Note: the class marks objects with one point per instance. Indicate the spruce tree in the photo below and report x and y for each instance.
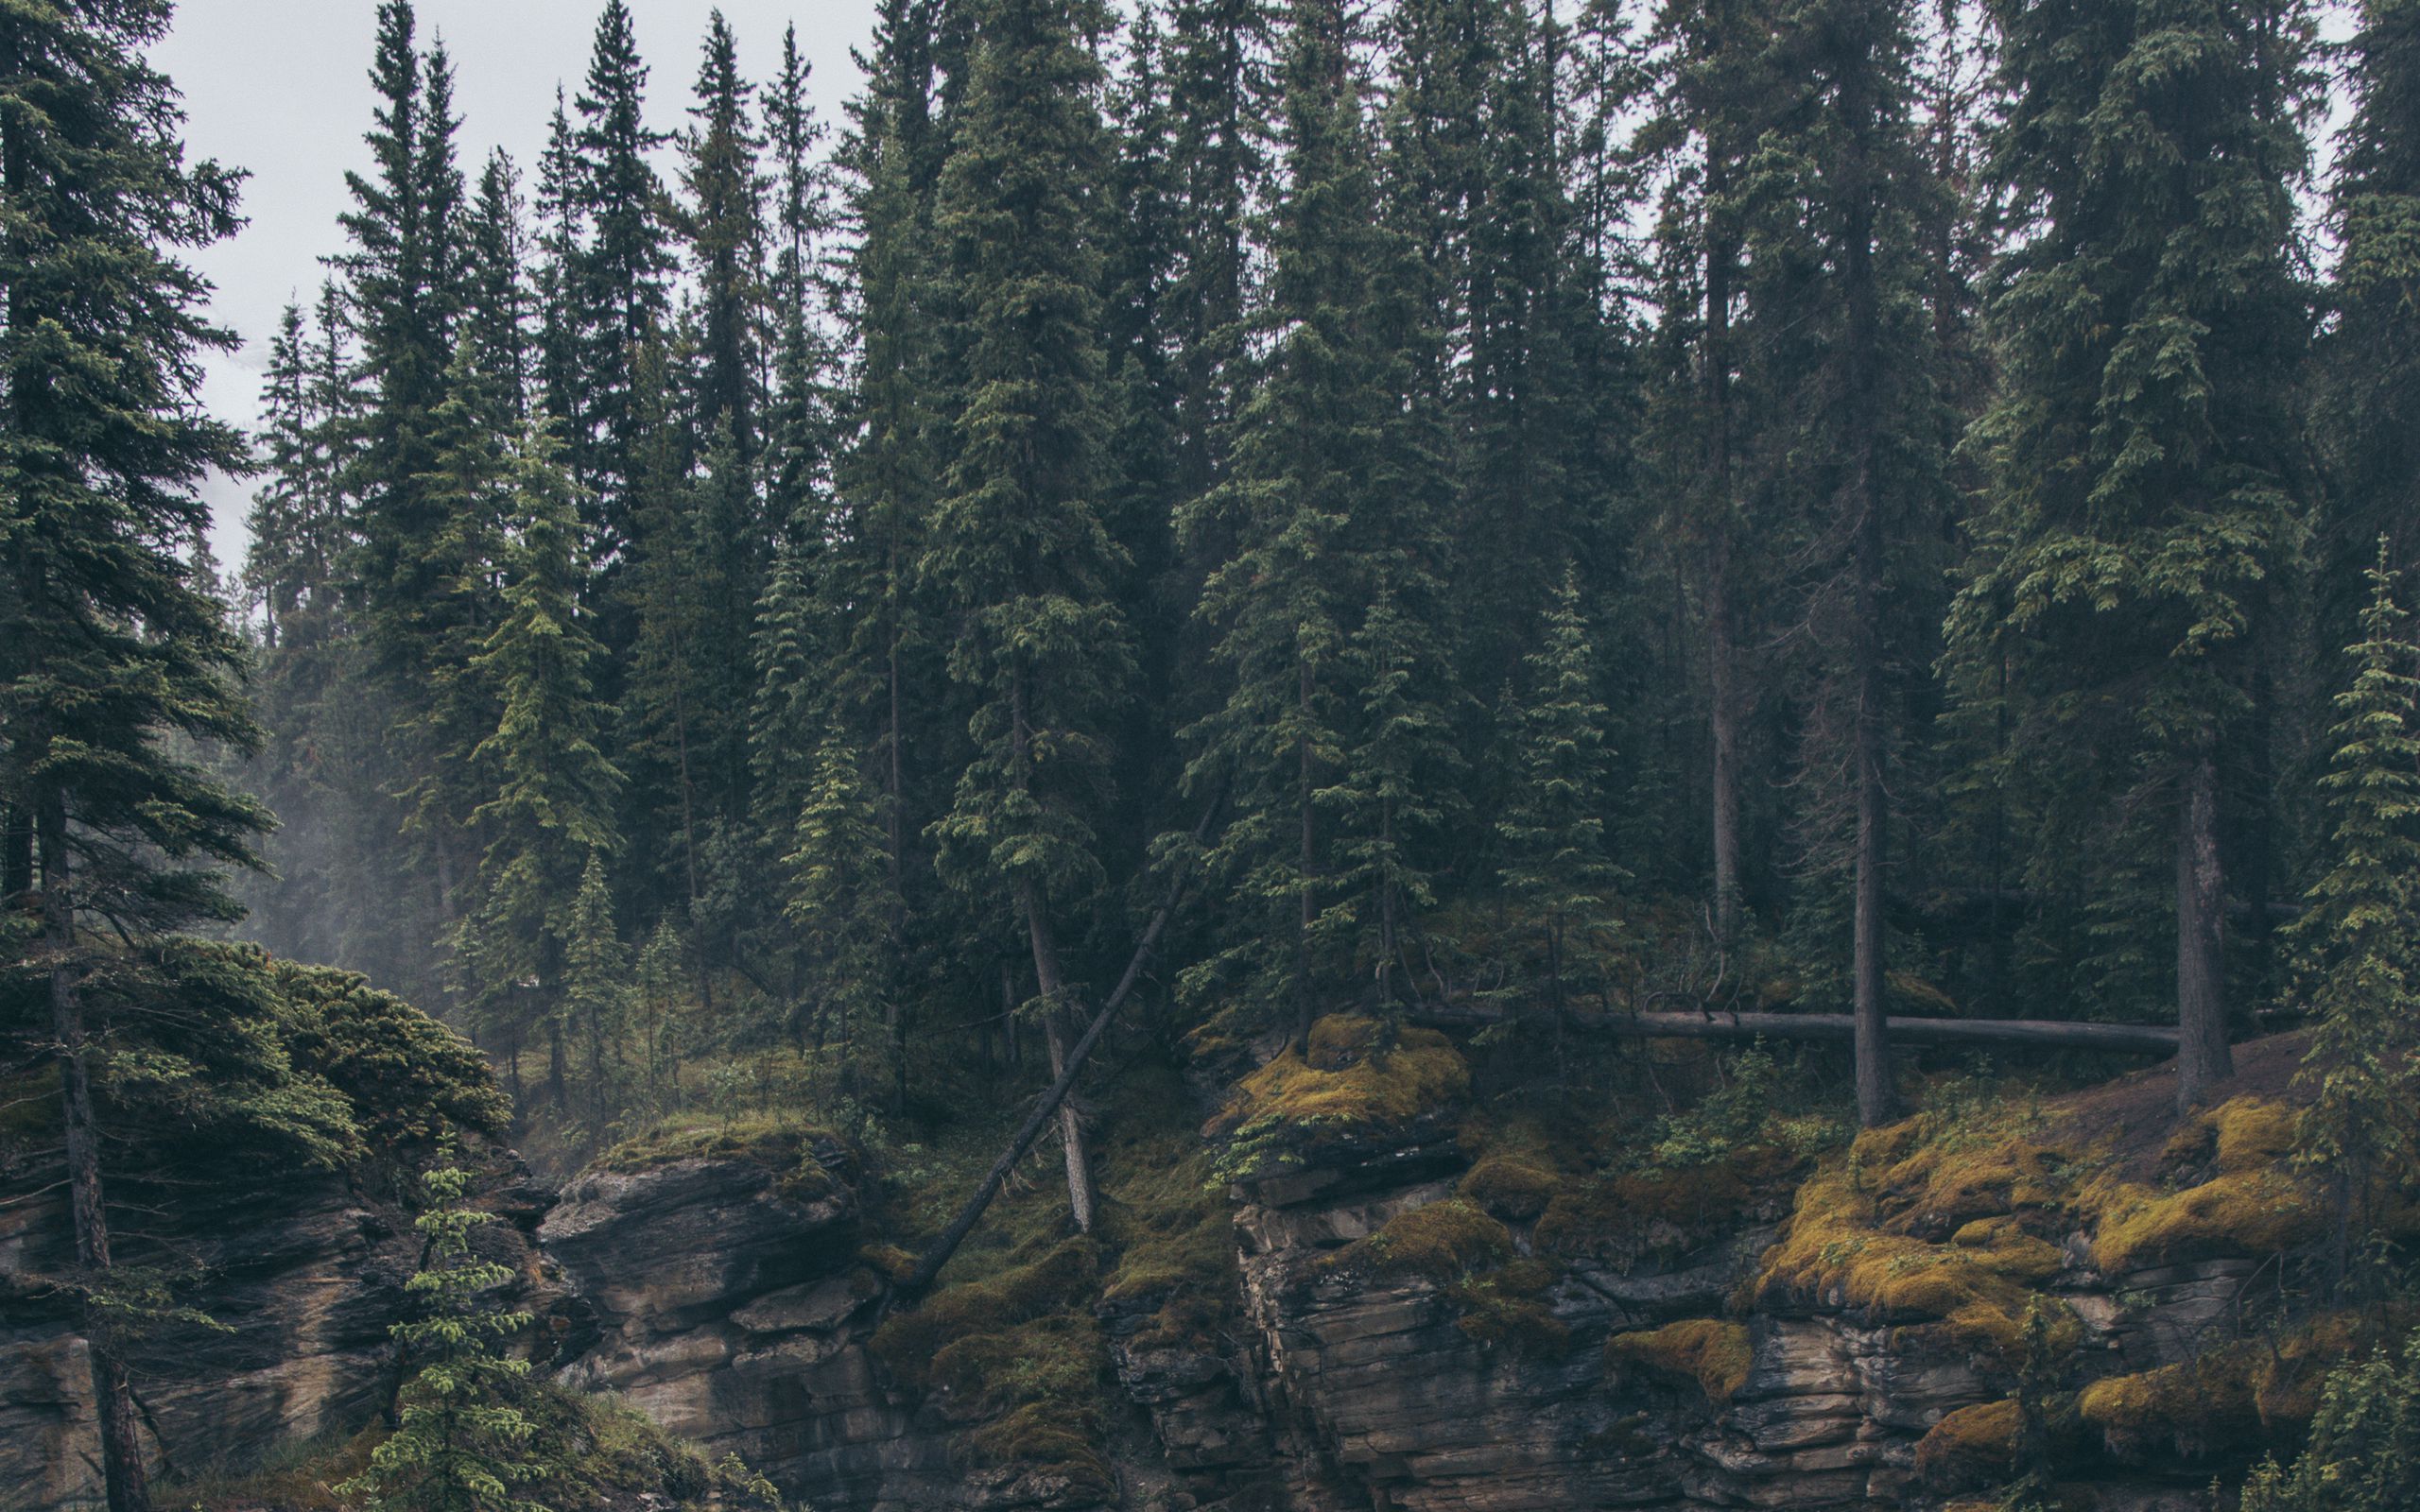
(2140, 509)
(553, 802)
(615, 285)
(723, 223)
(1553, 828)
(838, 899)
(111, 658)
(1322, 506)
(1019, 544)
(2366, 411)
(597, 986)
(460, 1444)
(2360, 975)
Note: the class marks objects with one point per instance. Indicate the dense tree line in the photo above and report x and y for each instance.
(1828, 500)
(1823, 504)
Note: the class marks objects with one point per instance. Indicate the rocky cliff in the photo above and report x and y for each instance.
(1383, 1300)
(1414, 1322)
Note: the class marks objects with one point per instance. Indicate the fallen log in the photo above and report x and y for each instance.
(2052, 1034)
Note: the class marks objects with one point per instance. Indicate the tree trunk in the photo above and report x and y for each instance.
(122, 1468)
(1054, 1031)
(1721, 257)
(555, 1067)
(928, 1265)
(2201, 1055)
(1303, 905)
(1876, 1099)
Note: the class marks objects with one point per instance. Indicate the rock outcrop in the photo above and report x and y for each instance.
(301, 1274)
(1412, 1326)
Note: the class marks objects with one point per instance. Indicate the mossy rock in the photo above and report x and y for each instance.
(1354, 1081)
(1834, 1252)
(1714, 1352)
(1514, 1185)
(908, 1342)
(1970, 1448)
(786, 1146)
(2255, 1205)
(1507, 1309)
(2224, 1405)
(1443, 1242)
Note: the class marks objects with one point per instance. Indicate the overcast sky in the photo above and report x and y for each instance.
(281, 87)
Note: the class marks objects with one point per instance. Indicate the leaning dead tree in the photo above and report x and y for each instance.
(936, 1254)
(2048, 1034)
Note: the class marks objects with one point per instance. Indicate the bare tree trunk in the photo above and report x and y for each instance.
(1721, 648)
(1054, 1030)
(2202, 1055)
(1048, 980)
(1875, 1097)
(1305, 908)
(122, 1468)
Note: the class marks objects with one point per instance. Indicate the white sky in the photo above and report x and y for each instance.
(281, 87)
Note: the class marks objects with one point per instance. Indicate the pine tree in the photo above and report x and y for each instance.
(2365, 410)
(1019, 543)
(1392, 794)
(2361, 978)
(839, 902)
(802, 431)
(1707, 90)
(460, 1444)
(596, 986)
(553, 803)
(1221, 97)
(723, 223)
(1553, 828)
(2139, 509)
(1844, 360)
(109, 657)
(1322, 506)
(617, 285)
(497, 300)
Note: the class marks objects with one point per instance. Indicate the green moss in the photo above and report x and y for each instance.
(910, 1342)
(601, 1453)
(2223, 1403)
(2255, 1205)
(1514, 1184)
(778, 1142)
(1714, 1352)
(1352, 1082)
(1173, 1241)
(1971, 1448)
(1506, 1309)
(1443, 1242)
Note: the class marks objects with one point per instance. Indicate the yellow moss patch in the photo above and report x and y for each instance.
(781, 1145)
(1513, 1185)
(2257, 1211)
(1972, 1447)
(1443, 1242)
(1714, 1352)
(2224, 1402)
(1350, 1080)
(1834, 1251)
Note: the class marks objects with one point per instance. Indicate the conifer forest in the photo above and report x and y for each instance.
(1227, 754)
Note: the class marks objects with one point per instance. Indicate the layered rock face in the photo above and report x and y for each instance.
(724, 1293)
(301, 1272)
